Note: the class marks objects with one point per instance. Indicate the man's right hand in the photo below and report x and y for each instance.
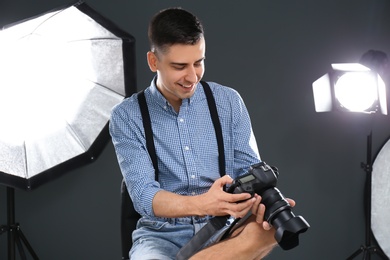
(217, 202)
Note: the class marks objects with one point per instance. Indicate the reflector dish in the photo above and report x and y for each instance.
(380, 198)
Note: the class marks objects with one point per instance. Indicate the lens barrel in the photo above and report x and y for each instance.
(262, 179)
(278, 213)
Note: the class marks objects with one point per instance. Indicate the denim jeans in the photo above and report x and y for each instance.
(155, 239)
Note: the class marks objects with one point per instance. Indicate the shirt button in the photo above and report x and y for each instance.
(186, 148)
(181, 120)
(193, 193)
(193, 176)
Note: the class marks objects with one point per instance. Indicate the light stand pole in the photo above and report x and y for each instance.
(15, 234)
(368, 248)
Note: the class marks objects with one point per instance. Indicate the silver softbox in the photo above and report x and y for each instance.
(61, 74)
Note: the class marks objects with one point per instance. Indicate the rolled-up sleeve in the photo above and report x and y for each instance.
(245, 145)
(134, 161)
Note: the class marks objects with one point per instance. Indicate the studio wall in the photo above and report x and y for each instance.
(271, 52)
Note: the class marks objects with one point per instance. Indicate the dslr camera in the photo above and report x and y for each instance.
(262, 179)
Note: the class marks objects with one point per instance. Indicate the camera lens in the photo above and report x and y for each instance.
(278, 213)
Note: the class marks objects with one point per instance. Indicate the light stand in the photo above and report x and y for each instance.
(367, 249)
(352, 87)
(15, 234)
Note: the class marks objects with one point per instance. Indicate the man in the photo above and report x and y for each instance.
(189, 190)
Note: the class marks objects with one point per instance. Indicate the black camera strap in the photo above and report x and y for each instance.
(202, 238)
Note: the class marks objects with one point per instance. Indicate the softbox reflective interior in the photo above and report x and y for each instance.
(62, 72)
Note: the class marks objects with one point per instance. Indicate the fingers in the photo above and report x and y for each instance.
(237, 205)
(218, 202)
(229, 197)
(266, 225)
(240, 209)
(291, 202)
(226, 179)
(258, 209)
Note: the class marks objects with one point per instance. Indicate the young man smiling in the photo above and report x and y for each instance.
(179, 69)
(189, 190)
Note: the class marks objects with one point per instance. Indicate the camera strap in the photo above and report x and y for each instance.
(217, 229)
(204, 237)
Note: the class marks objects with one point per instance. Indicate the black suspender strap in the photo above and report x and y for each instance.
(217, 126)
(214, 117)
(148, 131)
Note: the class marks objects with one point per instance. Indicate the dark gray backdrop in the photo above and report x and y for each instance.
(271, 52)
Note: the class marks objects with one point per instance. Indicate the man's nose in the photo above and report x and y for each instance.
(191, 75)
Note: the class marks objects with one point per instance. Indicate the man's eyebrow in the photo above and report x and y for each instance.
(184, 64)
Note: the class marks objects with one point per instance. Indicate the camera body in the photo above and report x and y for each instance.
(262, 179)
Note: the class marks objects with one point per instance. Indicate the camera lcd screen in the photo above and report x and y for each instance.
(247, 178)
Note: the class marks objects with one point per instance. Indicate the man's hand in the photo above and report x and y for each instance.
(258, 210)
(217, 202)
(253, 240)
(258, 234)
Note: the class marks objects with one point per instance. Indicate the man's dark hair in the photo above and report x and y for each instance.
(173, 26)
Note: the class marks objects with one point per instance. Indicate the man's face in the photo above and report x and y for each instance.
(178, 70)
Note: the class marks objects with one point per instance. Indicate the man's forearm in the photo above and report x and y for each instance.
(170, 205)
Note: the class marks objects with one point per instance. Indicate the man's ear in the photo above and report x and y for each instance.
(152, 61)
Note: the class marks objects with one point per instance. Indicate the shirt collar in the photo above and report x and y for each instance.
(161, 100)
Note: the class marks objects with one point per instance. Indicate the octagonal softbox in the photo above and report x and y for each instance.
(62, 72)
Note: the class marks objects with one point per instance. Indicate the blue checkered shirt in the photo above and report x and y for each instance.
(186, 144)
